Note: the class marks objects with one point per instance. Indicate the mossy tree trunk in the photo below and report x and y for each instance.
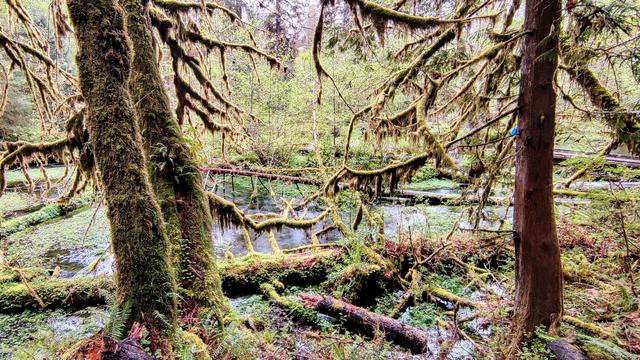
(538, 269)
(174, 174)
(143, 270)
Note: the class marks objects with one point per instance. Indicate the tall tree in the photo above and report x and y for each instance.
(538, 267)
(175, 176)
(141, 247)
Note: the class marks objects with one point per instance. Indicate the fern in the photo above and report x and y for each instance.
(118, 319)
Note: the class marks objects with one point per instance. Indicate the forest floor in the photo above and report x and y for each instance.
(456, 288)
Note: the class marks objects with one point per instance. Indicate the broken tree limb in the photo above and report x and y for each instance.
(369, 322)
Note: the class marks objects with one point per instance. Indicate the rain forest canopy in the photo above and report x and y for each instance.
(322, 179)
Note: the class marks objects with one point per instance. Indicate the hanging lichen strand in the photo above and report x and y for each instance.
(140, 245)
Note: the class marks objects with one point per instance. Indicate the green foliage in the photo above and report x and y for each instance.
(535, 347)
(422, 316)
(44, 334)
(119, 317)
(18, 122)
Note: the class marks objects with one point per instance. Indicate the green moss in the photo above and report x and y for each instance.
(174, 174)
(245, 275)
(84, 231)
(599, 349)
(189, 346)
(432, 184)
(422, 316)
(46, 334)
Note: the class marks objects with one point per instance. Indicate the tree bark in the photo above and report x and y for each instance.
(175, 176)
(143, 271)
(538, 268)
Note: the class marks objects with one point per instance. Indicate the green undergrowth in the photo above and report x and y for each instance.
(39, 245)
(45, 334)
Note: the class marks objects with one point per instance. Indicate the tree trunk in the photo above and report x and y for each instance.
(538, 268)
(174, 174)
(143, 270)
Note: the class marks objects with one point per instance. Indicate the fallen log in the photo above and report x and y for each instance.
(239, 277)
(360, 319)
(296, 309)
(437, 198)
(620, 160)
(54, 293)
(45, 213)
(563, 350)
(245, 275)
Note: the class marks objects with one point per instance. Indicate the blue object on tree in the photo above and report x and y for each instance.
(515, 131)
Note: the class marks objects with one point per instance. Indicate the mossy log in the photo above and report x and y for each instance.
(360, 319)
(240, 276)
(245, 275)
(45, 213)
(55, 293)
(296, 309)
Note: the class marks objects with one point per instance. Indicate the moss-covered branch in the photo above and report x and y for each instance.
(625, 124)
(185, 6)
(228, 214)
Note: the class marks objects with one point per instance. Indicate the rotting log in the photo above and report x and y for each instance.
(360, 319)
(563, 350)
